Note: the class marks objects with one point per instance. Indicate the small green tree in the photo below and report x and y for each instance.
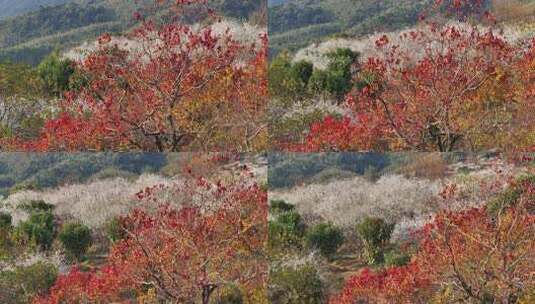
(37, 230)
(375, 234)
(395, 257)
(337, 79)
(229, 295)
(325, 237)
(301, 71)
(317, 83)
(55, 73)
(76, 239)
(510, 197)
(286, 230)
(288, 81)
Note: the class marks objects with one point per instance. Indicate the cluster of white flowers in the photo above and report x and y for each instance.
(366, 46)
(242, 32)
(92, 204)
(409, 202)
(344, 202)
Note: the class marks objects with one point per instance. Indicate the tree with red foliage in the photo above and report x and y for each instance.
(440, 87)
(461, 92)
(172, 87)
(202, 237)
(470, 256)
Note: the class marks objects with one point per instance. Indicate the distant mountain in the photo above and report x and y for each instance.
(17, 7)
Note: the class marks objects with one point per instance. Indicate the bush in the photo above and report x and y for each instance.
(326, 237)
(396, 258)
(296, 285)
(76, 239)
(23, 283)
(286, 231)
(37, 230)
(375, 234)
(36, 206)
(115, 230)
(5, 221)
(279, 206)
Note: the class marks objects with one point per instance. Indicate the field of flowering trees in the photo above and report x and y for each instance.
(460, 78)
(168, 234)
(426, 228)
(267, 151)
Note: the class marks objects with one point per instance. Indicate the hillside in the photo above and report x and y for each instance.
(17, 7)
(31, 36)
(320, 229)
(314, 20)
(294, 24)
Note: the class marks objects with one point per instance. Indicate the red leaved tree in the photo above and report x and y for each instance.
(193, 238)
(440, 87)
(480, 255)
(166, 86)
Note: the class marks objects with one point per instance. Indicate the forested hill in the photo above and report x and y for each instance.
(312, 20)
(31, 36)
(294, 24)
(17, 7)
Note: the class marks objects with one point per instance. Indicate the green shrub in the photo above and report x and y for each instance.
(76, 239)
(464, 170)
(286, 231)
(36, 206)
(23, 283)
(23, 186)
(396, 258)
(325, 237)
(37, 230)
(296, 285)
(279, 206)
(5, 221)
(114, 230)
(375, 234)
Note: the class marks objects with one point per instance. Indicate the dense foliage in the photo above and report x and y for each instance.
(176, 89)
(174, 252)
(469, 254)
(441, 86)
(76, 238)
